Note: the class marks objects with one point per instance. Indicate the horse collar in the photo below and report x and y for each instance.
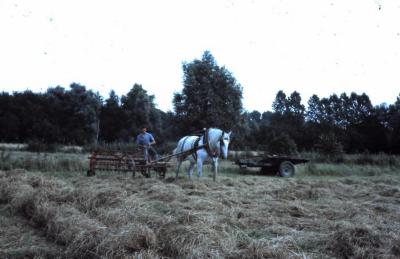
(206, 143)
(221, 143)
(210, 152)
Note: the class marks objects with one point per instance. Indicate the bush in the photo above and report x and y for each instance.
(281, 144)
(165, 148)
(330, 146)
(5, 158)
(38, 146)
(374, 159)
(120, 146)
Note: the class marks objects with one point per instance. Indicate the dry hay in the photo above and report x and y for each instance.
(18, 239)
(251, 217)
(356, 242)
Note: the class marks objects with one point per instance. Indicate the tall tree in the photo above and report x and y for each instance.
(210, 96)
(112, 119)
(86, 110)
(140, 110)
(288, 116)
(9, 121)
(294, 105)
(280, 103)
(76, 114)
(315, 111)
(394, 126)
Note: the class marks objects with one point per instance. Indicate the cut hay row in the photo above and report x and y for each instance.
(253, 217)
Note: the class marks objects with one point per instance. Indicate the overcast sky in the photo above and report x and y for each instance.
(310, 46)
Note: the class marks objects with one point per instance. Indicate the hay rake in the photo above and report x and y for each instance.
(112, 160)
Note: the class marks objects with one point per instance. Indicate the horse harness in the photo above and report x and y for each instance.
(215, 153)
(194, 147)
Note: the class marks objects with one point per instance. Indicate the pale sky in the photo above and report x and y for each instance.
(310, 46)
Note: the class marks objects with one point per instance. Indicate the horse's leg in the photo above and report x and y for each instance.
(191, 170)
(199, 167)
(177, 169)
(215, 167)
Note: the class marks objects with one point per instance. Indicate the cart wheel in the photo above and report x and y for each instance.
(131, 166)
(90, 173)
(286, 169)
(161, 172)
(146, 172)
(242, 169)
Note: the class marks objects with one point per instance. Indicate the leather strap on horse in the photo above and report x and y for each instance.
(208, 149)
(205, 142)
(194, 147)
(221, 142)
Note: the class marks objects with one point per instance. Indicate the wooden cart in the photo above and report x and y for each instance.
(284, 166)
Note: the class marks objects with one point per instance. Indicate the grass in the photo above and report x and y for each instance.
(355, 159)
(69, 164)
(12, 146)
(344, 170)
(44, 162)
(50, 209)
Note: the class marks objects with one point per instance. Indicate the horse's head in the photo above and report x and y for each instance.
(225, 139)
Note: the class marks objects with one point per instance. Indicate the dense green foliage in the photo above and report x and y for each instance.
(57, 116)
(211, 97)
(332, 125)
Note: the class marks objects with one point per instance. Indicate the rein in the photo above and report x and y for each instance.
(206, 145)
(194, 146)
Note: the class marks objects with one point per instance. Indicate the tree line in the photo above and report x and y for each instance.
(211, 96)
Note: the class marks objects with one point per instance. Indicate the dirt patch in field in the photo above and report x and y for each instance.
(254, 217)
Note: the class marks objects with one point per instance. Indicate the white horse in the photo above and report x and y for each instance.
(214, 143)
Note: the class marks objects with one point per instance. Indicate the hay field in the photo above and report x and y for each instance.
(115, 216)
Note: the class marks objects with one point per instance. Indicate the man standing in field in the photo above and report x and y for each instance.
(145, 140)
